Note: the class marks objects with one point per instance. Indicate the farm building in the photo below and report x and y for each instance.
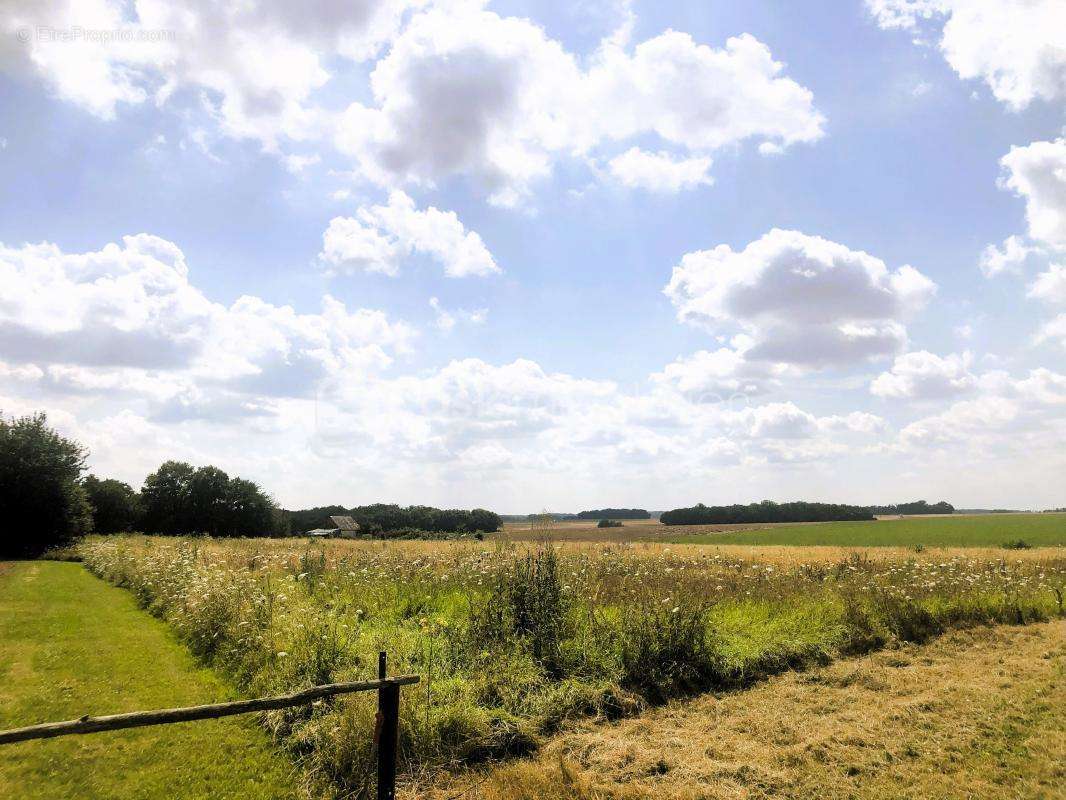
(347, 528)
(344, 527)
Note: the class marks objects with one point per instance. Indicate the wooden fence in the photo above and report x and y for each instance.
(386, 732)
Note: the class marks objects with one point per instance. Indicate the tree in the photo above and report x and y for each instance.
(211, 500)
(167, 502)
(251, 511)
(484, 520)
(44, 504)
(115, 505)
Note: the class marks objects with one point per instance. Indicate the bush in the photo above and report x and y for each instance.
(666, 652)
(1017, 544)
(44, 504)
(608, 523)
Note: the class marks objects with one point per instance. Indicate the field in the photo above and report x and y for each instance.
(964, 530)
(979, 530)
(520, 644)
(69, 645)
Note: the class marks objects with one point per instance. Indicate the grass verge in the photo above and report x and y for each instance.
(70, 645)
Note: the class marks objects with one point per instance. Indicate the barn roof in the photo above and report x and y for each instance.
(345, 523)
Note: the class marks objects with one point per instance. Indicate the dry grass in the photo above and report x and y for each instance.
(977, 714)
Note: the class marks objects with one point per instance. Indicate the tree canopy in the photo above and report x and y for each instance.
(116, 507)
(179, 499)
(43, 501)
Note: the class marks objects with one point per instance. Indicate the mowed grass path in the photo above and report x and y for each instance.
(70, 644)
(989, 530)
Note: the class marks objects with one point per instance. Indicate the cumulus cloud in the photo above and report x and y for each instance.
(1054, 330)
(127, 318)
(459, 91)
(1009, 415)
(803, 300)
(923, 375)
(722, 374)
(964, 420)
(1037, 172)
(495, 99)
(1008, 258)
(660, 172)
(255, 63)
(379, 238)
(1018, 47)
(1050, 286)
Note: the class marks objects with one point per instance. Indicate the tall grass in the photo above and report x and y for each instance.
(511, 642)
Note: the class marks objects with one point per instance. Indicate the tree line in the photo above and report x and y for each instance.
(381, 518)
(915, 507)
(48, 501)
(766, 511)
(614, 513)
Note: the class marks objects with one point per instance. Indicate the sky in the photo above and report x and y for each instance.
(543, 255)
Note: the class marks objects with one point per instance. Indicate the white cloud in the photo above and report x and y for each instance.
(1054, 330)
(1008, 258)
(255, 63)
(854, 422)
(723, 374)
(1018, 418)
(1050, 286)
(296, 164)
(779, 421)
(1018, 47)
(379, 238)
(1037, 172)
(495, 99)
(923, 375)
(965, 420)
(126, 318)
(804, 300)
(660, 172)
(447, 320)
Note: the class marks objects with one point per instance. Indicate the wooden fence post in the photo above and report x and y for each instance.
(388, 732)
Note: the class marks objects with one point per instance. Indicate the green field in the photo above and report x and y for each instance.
(990, 530)
(69, 645)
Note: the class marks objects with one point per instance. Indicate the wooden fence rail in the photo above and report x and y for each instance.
(385, 734)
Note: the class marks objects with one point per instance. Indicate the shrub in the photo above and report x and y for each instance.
(666, 651)
(609, 523)
(1017, 544)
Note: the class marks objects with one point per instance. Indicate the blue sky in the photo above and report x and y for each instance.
(513, 209)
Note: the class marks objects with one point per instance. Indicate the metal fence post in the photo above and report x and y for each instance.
(388, 732)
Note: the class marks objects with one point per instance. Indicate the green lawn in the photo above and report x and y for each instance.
(70, 644)
(989, 530)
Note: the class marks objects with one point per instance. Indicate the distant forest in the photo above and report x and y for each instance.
(915, 507)
(614, 513)
(769, 511)
(766, 511)
(387, 518)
